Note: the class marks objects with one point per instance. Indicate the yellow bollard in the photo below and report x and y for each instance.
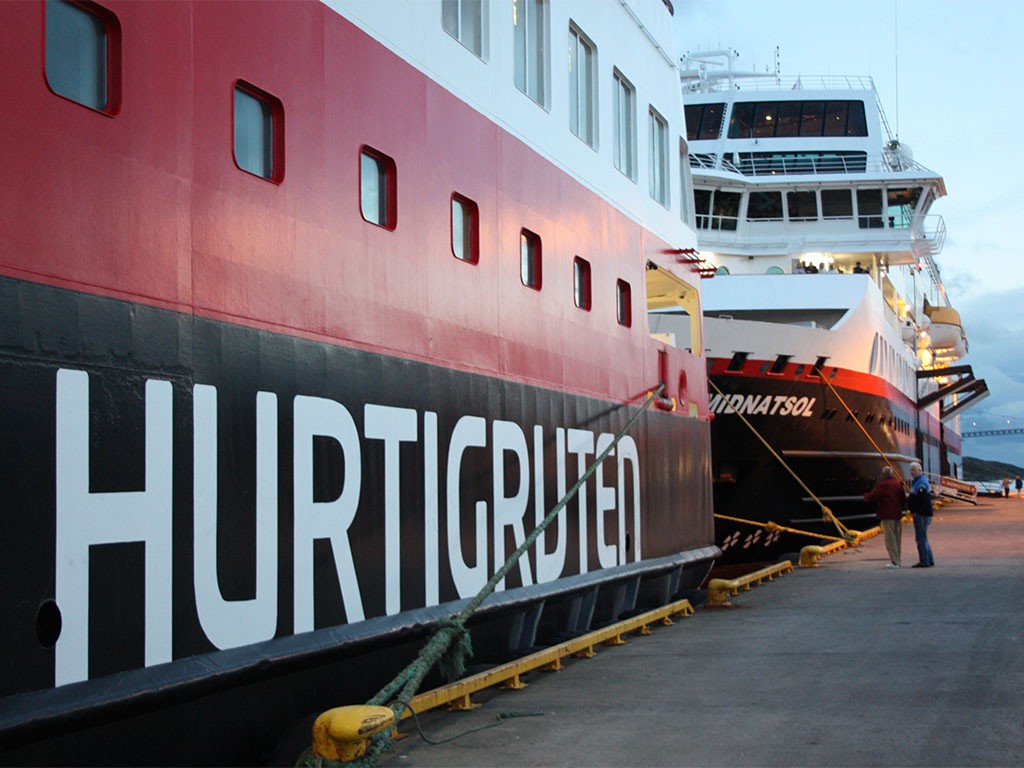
(344, 733)
(809, 556)
(719, 591)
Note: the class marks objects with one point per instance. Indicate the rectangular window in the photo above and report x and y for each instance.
(378, 188)
(258, 117)
(803, 206)
(624, 303)
(789, 119)
(762, 206)
(624, 126)
(582, 87)
(581, 283)
(702, 207)
(813, 116)
(658, 166)
(836, 204)
(529, 259)
(765, 119)
(869, 208)
(835, 117)
(742, 120)
(703, 121)
(83, 55)
(464, 20)
(529, 28)
(856, 123)
(465, 229)
(726, 210)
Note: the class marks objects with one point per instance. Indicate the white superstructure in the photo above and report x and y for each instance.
(801, 175)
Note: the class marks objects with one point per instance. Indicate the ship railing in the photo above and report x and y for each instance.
(931, 231)
(808, 165)
(717, 230)
(722, 81)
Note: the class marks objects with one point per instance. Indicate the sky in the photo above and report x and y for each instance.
(944, 71)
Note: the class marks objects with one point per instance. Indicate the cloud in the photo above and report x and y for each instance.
(995, 331)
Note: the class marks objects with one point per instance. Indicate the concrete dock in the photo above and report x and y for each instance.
(847, 664)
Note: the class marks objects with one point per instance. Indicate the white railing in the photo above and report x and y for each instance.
(720, 80)
(923, 235)
(877, 165)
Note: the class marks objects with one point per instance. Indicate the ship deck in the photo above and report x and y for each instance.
(845, 664)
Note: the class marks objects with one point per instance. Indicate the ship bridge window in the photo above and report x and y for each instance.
(742, 120)
(529, 40)
(624, 125)
(764, 206)
(623, 303)
(902, 204)
(658, 156)
(774, 119)
(835, 118)
(764, 119)
(836, 204)
(378, 196)
(464, 20)
(812, 118)
(259, 132)
(789, 119)
(582, 86)
(703, 121)
(803, 206)
(581, 283)
(529, 259)
(465, 229)
(869, 208)
(83, 55)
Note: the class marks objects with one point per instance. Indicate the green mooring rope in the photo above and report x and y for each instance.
(450, 644)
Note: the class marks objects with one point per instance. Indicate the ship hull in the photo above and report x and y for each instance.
(201, 514)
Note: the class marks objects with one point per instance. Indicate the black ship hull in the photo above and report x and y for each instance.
(808, 429)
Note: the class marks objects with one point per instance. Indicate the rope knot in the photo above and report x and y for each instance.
(452, 663)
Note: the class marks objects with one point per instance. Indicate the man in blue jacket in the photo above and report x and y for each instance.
(920, 504)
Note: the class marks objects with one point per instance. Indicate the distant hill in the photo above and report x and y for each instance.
(982, 469)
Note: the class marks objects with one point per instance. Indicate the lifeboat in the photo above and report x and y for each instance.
(948, 342)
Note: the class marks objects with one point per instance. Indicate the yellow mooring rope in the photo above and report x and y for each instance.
(863, 429)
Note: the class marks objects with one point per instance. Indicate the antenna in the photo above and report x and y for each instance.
(896, 60)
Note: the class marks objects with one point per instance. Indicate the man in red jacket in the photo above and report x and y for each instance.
(889, 501)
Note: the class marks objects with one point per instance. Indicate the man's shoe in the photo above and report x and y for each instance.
(892, 565)
(919, 565)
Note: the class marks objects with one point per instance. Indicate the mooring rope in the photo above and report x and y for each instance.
(450, 644)
(772, 526)
(863, 429)
(825, 511)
